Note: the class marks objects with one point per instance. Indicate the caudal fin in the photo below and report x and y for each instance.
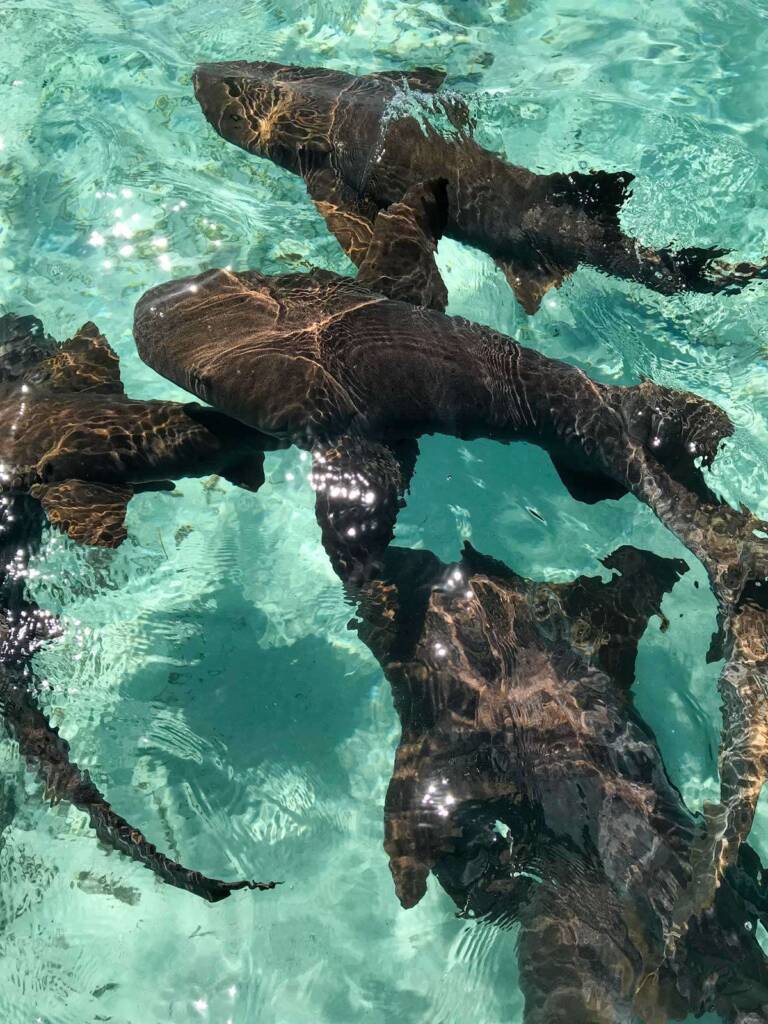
(601, 195)
(703, 270)
(47, 753)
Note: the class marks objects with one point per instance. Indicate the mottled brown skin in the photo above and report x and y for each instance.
(307, 358)
(73, 440)
(359, 150)
(24, 628)
(311, 358)
(525, 779)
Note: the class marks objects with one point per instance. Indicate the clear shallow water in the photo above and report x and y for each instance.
(207, 678)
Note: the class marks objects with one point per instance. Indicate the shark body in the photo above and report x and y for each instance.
(359, 146)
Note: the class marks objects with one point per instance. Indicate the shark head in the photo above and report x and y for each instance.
(283, 113)
(24, 347)
(231, 339)
(187, 329)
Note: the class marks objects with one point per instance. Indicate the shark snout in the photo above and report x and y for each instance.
(178, 324)
(163, 320)
(236, 97)
(228, 108)
(213, 92)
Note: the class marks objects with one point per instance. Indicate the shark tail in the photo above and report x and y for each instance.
(700, 270)
(47, 753)
(599, 197)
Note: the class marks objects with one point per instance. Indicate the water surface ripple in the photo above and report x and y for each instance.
(207, 678)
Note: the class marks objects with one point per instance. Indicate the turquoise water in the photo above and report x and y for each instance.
(206, 677)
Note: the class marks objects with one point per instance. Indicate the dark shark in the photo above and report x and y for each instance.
(24, 628)
(359, 152)
(527, 783)
(310, 359)
(73, 440)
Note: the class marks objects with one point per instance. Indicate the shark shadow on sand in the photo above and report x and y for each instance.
(528, 784)
(313, 359)
(24, 627)
(359, 151)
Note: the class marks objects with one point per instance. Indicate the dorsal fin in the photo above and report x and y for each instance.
(599, 193)
(400, 262)
(23, 345)
(418, 79)
(89, 512)
(86, 362)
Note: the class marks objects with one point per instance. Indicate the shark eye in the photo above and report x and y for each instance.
(236, 118)
(199, 384)
(36, 376)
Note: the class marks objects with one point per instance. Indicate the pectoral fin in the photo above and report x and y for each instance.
(588, 487)
(360, 487)
(347, 215)
(530, 283)
(86, 362)
(88, 512)
(416, 832)
(400, 262)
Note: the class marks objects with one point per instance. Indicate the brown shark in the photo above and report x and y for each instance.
(24, 628)
(359, 151)
(74, 441)
(309, 359)
(526, 781)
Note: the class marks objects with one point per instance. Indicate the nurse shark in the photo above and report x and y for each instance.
(310, 359)
(528, 784)
(76, 443)
(24, 628)
(359, 148)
